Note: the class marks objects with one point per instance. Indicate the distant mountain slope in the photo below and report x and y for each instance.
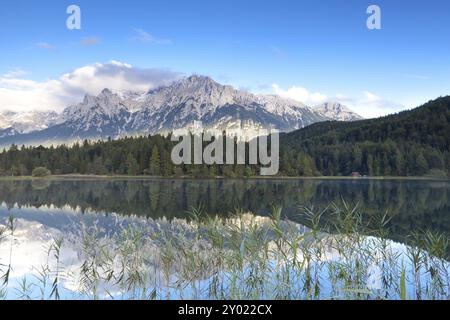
(217, 106)
(337, 111)
(407, 143)
(12, 123)
(196, 98)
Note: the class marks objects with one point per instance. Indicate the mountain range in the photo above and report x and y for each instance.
(12, 123)
(410, 143)
(161, 110)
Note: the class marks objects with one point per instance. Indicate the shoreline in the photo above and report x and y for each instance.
(126, 177)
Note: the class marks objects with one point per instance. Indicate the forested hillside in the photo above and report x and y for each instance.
(411, 143)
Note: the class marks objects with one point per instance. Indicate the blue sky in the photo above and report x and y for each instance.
(313, 50)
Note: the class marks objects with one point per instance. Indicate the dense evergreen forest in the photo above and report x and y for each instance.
(411, 143)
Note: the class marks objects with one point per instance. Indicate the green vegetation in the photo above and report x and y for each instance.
(41, 172)
(241, 257)
(411, 143)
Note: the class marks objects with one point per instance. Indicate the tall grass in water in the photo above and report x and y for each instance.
(6, 268)
(334, 256)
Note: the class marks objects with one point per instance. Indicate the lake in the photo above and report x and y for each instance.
(83, 212)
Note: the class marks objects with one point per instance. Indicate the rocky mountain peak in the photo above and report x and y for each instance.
(337, 111)
(106, 92)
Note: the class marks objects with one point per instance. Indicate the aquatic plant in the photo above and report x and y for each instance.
(334, 255)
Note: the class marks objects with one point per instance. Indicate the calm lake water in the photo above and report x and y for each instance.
(413, 205)
(45, 210)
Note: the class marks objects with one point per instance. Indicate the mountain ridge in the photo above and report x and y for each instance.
(410, 143)
(337, 111)
(166, 108)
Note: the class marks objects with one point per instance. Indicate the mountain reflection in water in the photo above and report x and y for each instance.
(102, 212)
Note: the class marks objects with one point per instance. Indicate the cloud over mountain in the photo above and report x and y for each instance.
(20, 94)
(300, 94)
(369, 104)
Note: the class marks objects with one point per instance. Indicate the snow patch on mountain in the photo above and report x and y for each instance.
(12, 123)
(337, 111)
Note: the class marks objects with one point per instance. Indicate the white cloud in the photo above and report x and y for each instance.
(143, 36)
(371, 98)
(370, 105)
(15, 73)
(375, 106)
(342, 97)
(417, 76)
(300, 94)
(20, 94)
(367, 104)
(46, 46)
(90, 41)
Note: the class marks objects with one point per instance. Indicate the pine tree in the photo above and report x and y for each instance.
(155, 162)
(421, 164)
(399, 163)
(370, 165)
(132, 165)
